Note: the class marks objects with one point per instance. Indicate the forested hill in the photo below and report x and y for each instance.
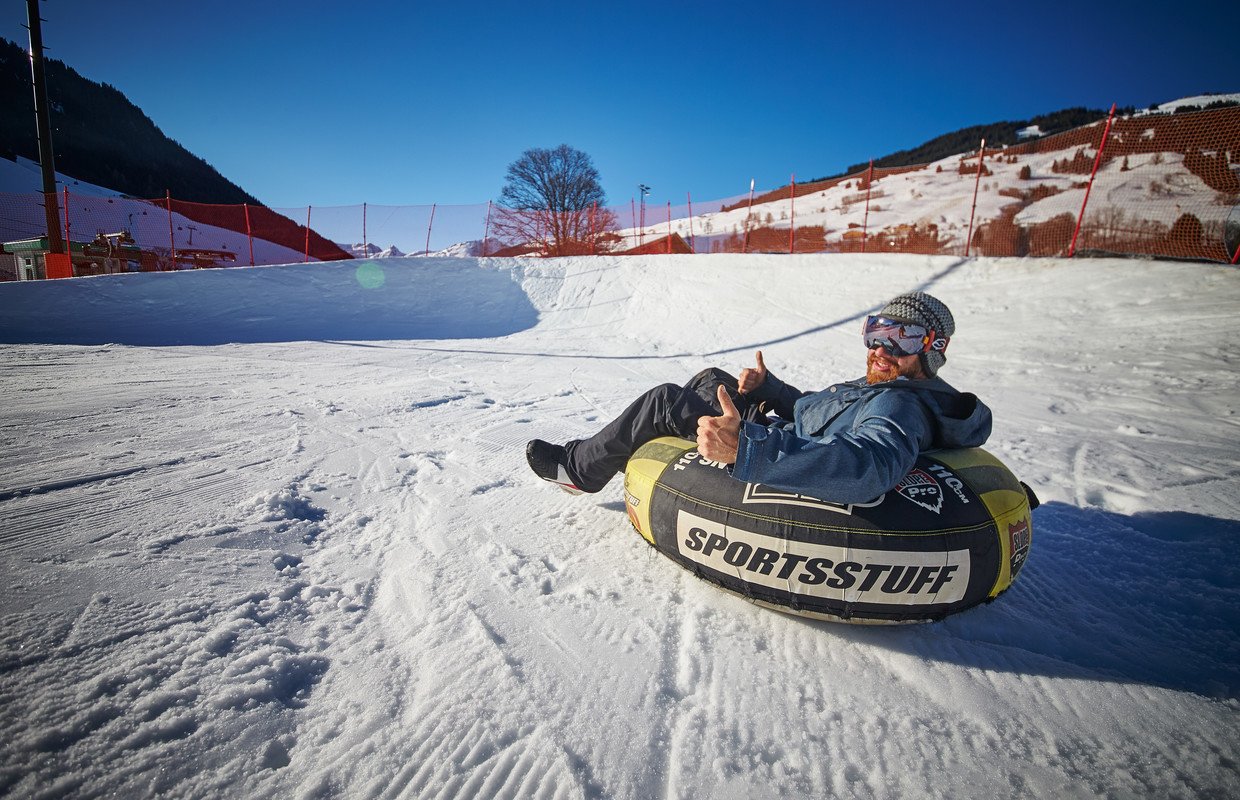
(995, 134)
(100, 137)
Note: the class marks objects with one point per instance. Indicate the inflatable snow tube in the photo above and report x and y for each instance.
(952, 534)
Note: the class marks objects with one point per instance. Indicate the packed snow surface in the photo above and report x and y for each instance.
(269, 533)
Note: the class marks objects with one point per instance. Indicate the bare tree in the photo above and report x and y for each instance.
(552, 200)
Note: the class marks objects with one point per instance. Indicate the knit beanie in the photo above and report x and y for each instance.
(920, 308)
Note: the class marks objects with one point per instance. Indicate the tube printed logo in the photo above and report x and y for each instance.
(921, 487)
(850, 575)
(1019, 541)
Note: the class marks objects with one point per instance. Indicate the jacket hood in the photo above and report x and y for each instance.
(961, 419)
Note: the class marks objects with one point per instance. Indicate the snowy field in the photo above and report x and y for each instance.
(269, 533)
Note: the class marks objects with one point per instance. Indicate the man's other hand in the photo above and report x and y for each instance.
(751, 378)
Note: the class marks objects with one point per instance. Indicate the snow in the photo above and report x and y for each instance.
(269, 532)
(1200, 101)
(21, 175)
(95, 210)
(1156, 188)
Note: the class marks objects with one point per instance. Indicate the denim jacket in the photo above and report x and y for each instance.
(851, 442)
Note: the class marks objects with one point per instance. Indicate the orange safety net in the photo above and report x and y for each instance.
(1165, 185)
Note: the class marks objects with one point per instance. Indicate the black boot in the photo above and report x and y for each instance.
(548, 462)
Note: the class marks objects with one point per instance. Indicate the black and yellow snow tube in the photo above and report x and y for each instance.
(952, 534)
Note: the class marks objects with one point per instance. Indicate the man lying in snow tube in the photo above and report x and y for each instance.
(953, 533)
(853, 443)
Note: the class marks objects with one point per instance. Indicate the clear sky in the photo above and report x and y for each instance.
(393, 102)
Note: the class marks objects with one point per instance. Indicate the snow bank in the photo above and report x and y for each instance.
(395, 299)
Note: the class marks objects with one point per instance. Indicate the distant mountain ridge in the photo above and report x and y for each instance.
(996, 134)
(99, 136)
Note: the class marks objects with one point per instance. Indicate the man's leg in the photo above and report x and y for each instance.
(666, 410)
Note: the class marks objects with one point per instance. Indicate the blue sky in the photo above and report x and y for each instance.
(335, 103)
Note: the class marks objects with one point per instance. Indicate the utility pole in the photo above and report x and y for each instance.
(644, 190)
(43, 123)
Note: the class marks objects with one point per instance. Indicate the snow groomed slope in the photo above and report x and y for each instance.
(304, 558)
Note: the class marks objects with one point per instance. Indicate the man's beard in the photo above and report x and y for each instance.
(876, 373)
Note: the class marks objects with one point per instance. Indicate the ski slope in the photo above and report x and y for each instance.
(269, 533)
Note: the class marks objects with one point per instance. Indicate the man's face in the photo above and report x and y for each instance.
(882, 366)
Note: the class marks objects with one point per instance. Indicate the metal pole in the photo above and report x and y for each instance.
(1097, 161)
(307, 235)
(981, 155)
(429, 225)
(43, 126)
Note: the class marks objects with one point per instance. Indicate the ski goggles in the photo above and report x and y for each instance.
(900, 338)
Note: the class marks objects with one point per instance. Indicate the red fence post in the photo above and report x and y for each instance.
(1097, 161)
(429, 225)
(641, 228)
(865, 222)
(307, 234)
(68, 245)
(981, 155)
(248, 233)
(593, 233)
(172, 242)
(669, 227)
(365, 243)
(792, 204)
(632, 215)
(748, 215)
(486, 229)
(692, 241)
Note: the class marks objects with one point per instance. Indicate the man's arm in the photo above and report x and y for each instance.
(852, 466)
(759, 385)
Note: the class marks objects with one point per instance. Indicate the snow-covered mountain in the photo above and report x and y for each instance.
(370, 250)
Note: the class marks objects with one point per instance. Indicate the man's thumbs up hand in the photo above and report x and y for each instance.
(751, 377)
(717, 437)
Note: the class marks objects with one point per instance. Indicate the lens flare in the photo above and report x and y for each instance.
(369, 275)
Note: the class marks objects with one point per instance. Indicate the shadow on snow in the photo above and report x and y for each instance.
(1151, 598)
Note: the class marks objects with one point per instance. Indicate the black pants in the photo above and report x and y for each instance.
(665, 410)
